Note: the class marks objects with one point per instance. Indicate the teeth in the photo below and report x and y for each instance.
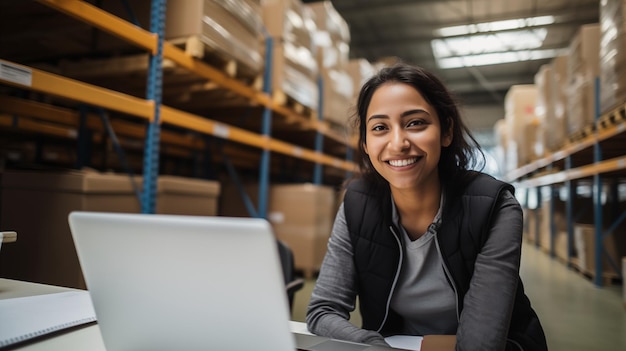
(402, 163)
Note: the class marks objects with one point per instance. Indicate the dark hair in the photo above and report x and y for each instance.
(464, 151)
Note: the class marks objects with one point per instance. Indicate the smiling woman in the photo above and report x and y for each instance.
(428, 245)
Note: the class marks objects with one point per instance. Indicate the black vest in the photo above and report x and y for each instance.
(466, 218)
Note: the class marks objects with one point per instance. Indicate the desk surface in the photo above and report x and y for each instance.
(89, 337)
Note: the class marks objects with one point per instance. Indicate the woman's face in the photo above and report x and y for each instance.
(403, 137)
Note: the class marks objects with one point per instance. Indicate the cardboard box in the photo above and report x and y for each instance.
(187, 196)
(584, 241)
(612, 54)
(521, 123)
(337, 98)
(36, 206)
(289, 21)
(302, 216)
(294, 72)
(233, 28)
(556, 122)
(360, 70)
(583, 67)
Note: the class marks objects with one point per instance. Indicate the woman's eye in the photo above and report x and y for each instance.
(378, 128)
(416, 122)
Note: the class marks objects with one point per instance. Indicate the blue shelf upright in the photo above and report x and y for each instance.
(154, 89)
(266, 130)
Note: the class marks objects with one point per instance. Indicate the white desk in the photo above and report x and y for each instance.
(80, 338)
(89, 338)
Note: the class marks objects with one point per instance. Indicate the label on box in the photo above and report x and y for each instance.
(16, 74)
(276, 217)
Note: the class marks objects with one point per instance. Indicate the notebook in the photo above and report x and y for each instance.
(171, 282)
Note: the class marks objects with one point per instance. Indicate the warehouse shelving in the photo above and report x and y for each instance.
(600, 154)
(149, 109)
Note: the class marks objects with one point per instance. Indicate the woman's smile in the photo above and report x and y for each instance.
(403, 162)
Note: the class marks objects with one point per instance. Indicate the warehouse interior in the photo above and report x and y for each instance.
(243, 108)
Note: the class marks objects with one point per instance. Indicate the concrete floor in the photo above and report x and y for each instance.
(576, 315)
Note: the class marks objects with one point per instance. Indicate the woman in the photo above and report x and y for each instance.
(427, 245)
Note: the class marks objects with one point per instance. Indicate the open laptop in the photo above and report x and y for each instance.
(167, 282)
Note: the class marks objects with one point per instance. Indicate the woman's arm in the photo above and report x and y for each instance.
(335, 291)
(488, 304)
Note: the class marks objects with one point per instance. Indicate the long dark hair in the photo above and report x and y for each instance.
(464, 153)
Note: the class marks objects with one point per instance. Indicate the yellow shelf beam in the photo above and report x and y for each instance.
(103, 20)
(611, 165)
(53, 84)
(110, 23)
(82, 92)
(601, 134)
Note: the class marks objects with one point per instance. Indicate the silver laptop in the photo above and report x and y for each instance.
(166, 282)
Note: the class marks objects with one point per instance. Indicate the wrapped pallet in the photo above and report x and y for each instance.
(231, 28)
(360, 69)
(294, 68)
(332, 43)
(543, 110)
(521, 124)
(332, 37)
(499, 150)
(582, 72)
(612, 54)
(556, 117)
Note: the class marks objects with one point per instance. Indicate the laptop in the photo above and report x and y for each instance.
(167, 282)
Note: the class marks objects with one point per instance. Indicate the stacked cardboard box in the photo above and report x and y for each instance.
(36, 205)
(294, 68)
(302, 216)
(585, 243)
(582, 71)
(360, 70)
(501, 141)
(556, 116)
(233, 28)
(612, 54)
(187, 196)
(543, 110)
(332, 41)
(521, 124)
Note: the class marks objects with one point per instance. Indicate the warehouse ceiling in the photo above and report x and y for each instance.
(407, 28)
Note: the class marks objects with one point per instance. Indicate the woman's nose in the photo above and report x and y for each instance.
(399, 140)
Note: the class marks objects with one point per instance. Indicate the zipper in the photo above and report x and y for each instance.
(449, 276)
(395, 279)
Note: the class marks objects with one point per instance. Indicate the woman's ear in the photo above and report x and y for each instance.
(447, 135)
(365, 149)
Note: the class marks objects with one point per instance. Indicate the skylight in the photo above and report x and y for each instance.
(492, 43)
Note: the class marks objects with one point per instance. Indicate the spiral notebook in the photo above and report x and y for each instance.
(25, 318)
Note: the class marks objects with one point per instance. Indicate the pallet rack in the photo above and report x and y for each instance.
(599, 154)
(151, 110)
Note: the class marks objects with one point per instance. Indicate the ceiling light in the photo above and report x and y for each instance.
(487, 43)
(491, 43)
(495, 26)
(496, 58)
